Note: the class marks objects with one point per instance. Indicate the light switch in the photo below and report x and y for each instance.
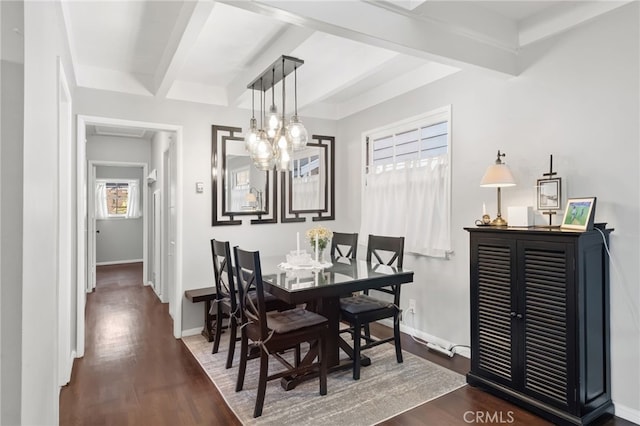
(199, 187)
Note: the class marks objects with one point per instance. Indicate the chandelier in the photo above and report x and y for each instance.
(272, 144)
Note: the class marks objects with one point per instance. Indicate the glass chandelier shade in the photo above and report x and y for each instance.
(273, 145)
(251, 138)
(263, 156)
(297, 133)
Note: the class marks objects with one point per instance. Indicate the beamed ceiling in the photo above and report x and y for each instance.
(356, 53)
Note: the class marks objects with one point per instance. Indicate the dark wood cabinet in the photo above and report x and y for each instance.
(540, 320)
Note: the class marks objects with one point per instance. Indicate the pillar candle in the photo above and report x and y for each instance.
(484, 209)
(317, 248)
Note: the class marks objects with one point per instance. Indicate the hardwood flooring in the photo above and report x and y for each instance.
(135, 372)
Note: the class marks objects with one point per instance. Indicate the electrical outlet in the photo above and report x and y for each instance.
(412, 306)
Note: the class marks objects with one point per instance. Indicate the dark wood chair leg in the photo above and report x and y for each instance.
(244, 349)
(367, 332)
(218, 331)
(396, 335)
(262, 383)
(233, 330)
(357, 338)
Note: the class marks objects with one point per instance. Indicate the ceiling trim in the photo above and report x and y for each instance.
(563, 17)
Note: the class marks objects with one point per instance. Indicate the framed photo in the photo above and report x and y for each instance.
(549, 194)
(579, 214)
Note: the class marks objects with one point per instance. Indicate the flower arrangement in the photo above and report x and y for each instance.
(322, 234)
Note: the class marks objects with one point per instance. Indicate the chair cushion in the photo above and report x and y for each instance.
(362, 303)
(293, 319)
(268, 297)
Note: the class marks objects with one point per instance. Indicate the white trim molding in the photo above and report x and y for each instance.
(624, 412)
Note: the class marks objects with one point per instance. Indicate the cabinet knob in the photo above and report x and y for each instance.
(519, 316)
(513, 314)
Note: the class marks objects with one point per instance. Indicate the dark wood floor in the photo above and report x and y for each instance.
(135, 372)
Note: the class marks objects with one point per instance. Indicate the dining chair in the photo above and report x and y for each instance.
(274, 332)
(226, 304)
(344, 245)
(362, 309)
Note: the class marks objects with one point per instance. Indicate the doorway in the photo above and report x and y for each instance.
(85, 250)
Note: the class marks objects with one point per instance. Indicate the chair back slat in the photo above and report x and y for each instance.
(249, 280)
(387, 246)
(343, 241)
(223, 271)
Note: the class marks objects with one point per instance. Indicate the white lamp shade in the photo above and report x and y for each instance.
(498, 176)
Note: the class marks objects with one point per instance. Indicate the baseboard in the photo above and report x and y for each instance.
(191, 332)
(631, 414)
(463, 351)
(118, 262)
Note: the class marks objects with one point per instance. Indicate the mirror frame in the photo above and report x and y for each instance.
(288, 214)
(219, 137)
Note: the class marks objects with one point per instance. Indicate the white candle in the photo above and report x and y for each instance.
(297, 243)
(317, 248)
(484, 209)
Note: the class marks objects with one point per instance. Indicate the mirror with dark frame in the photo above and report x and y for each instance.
(309, 187)
(239, 189)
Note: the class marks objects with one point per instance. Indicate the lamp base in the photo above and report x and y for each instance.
(498, 221)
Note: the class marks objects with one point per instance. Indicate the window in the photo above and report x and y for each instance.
(407, 183)
(117, 198)
(395, 150)
(241, 178)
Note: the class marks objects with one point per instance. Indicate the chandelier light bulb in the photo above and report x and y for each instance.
(251, 137)
(273, 120)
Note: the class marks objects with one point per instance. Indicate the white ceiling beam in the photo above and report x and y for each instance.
(561, 18)
(284, 44)
(401, 32)
(192, 18)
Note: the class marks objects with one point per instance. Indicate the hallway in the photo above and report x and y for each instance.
(134, 371)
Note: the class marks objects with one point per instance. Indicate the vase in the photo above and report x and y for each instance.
(320, 255)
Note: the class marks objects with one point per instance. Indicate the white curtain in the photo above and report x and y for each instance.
(101, 200)
(413, 202)
(133, 200)
(306, 193)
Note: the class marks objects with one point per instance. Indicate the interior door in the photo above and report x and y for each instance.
(157, 242)
(92, 230)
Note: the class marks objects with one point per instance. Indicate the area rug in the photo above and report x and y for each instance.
(385, 388)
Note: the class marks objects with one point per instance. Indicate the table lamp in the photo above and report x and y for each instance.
(498, 176)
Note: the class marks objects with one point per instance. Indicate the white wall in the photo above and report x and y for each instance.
(576, 98)
(11, 210)
(44, 42)
(196, 120)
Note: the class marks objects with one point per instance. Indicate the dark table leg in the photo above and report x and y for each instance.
(330, 309)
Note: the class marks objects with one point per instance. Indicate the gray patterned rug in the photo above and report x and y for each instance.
(385, 388)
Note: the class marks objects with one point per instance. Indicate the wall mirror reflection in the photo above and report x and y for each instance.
(308, 179)
(309, 187)
(239, 189)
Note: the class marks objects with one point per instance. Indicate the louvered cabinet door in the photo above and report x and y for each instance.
(493, 293)
(540, 320)
(545, 289)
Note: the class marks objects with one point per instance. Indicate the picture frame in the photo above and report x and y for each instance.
(549, 194)
(579, 214)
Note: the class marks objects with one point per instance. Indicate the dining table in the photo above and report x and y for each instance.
(321, 289)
